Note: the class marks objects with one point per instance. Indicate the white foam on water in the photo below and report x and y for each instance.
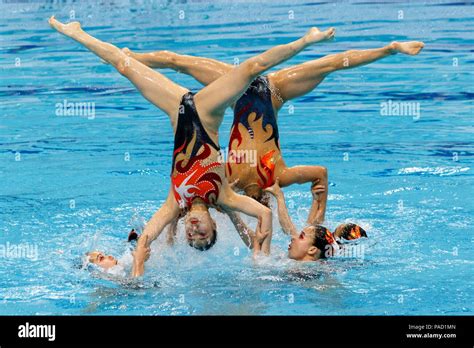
(440, 171)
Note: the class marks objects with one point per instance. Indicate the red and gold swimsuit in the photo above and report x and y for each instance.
(196, 171)
(254, 110)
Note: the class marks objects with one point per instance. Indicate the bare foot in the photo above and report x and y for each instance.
(411, 48)
(67, 29)
(315, 35)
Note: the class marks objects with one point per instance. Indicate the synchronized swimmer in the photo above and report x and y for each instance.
(199, 180)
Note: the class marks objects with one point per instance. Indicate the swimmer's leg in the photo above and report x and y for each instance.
(301, 79)
(213, 99)
(155, 87)
(317, 176)
(204, 70)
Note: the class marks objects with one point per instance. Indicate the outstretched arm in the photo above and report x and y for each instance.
(244, 231)
(212, 100)
(252, 239)
(172, 229)
(232, 201)
(166, 214)
(283, 216)
(318, 177)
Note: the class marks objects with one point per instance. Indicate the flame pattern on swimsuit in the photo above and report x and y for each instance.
(267, 174)
(196, 171)
(255, 109)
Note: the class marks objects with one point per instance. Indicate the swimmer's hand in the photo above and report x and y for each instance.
(257, 238)
(275, 189)
(316, 190)
(140, 256)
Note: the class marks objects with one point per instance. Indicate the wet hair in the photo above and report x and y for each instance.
(132, 236)
(209, 245)
(352, 231)
(83, 263)
(80, 262)
(322, 238)
(265, 200)
(254, 191)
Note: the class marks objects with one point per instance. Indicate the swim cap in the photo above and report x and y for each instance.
(352, 231)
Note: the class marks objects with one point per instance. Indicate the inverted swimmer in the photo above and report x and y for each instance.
(197, 179)
(255, 126)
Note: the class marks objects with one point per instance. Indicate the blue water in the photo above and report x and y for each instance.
(66, 186)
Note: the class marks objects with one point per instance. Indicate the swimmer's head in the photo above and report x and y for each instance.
(100, 259)
(200, 227)
(313, 243)
(349, 231)
(256, 192)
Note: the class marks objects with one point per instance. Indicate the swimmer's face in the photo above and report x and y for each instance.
(200, 228)
(102, 260)
(301, 247)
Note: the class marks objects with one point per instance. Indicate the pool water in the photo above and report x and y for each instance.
(70, 184)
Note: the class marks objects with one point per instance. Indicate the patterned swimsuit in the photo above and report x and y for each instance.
(196, 172)
(257, 99)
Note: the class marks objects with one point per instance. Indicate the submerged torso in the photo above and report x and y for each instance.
(254, 147)
(196, 171)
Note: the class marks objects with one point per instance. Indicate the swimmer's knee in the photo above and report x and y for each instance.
(123, 64)
(254, 66)
(127, 51)
(170, 56)
(323, 171)
(171, 59)
(320, 175)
